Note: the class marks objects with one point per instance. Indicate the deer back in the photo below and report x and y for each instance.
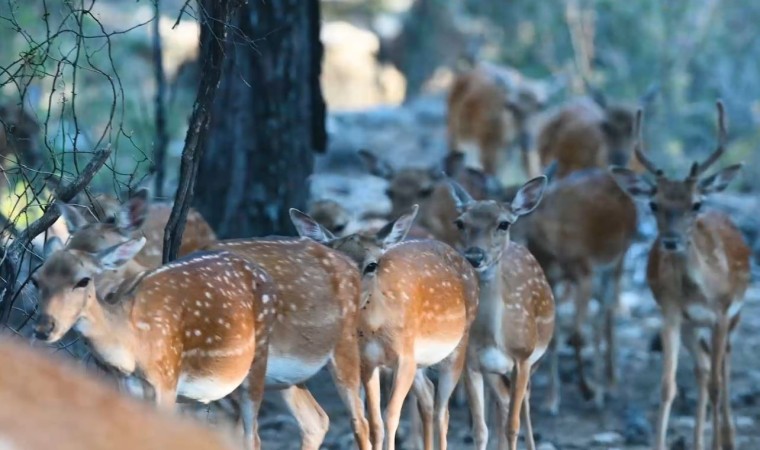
(319, 291)
(584, 217)
(46, 400)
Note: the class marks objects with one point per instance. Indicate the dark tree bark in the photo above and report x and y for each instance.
(267, 121)
(215, 16)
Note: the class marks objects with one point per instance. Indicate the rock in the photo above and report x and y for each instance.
(607, 438)
(546, 446)
(638, 430)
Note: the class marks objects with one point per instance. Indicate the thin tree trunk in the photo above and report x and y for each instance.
(162, 136)
(215, 18)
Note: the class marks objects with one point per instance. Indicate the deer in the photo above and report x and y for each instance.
(316, 327)
(76, 410)
(418, 300)
(19, 136)
(489, 108)
(588, 132)
(580, 234)
(515, 317)
(426, 187)
(318, 294)
(332, 215)
(198, 327)
(698, 271)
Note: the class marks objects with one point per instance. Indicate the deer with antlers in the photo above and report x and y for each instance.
(418, 300)
(76, 411)
(197, 328)
(515, 319)
(698, 271)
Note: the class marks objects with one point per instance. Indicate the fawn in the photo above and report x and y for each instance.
(418, 300)
(515, 319)
(698, 271)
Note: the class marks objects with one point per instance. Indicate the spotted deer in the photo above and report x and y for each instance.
(332, 215)
(698, 271)
(580, 234)
(515, 319)
(77, 411)
(488, 111)
(427, 188)
(138, 216)
(198, 327)
(588, 132)
(315, 327)
(418, 300)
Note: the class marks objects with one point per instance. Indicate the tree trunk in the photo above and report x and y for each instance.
(267, 120)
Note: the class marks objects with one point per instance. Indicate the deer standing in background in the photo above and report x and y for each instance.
(587, 133)
(418, 301)
(698, 271)
(515, 319)
(488, 111)
(427, 188)
(76, 411)
(197, 328)
(580, 234)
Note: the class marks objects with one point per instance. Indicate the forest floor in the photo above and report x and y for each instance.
(415, 135)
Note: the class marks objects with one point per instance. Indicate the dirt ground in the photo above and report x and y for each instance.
(415, 135)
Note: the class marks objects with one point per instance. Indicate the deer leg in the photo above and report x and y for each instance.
(500, 388)
(530, 443)
(251, 395)
(555, 385)
(346, 373)
(612, 301)
(519, 384)
(715, 387)
(312, 419)
(473, 383)
(582, 296)
(671, 342)
(728, 430)
(701, 372)
(371, 381)
(448, 376)
(402, 382)
(423, 389)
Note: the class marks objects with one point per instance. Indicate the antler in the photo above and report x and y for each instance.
(637, 145)
(698, 169)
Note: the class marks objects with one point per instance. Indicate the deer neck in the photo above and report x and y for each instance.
(109, 332)
(491, 305)
(109, 281)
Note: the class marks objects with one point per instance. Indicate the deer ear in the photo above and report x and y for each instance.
(374, 165)
(118, 255)
(529, 196)
(630, 182)
(52, 245)
(307, 227)
(462, 198)
(396, 231)
(133, 213)
(719, 180)
(73, 218)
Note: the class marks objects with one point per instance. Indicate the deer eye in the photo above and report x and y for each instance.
(424, 193)
(504, 225)
(339, 228)
(696, 206)
(110, 220)
(653, 206)
(459, 223)
(82, 283)
(370, 268)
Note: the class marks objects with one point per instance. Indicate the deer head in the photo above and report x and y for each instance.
(485, 225)
(364, 248)
(65, 283)
(676, 202)
(331, 214)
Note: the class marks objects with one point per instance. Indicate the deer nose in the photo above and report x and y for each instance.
(44, 327)
(475, 256)
(670, 243)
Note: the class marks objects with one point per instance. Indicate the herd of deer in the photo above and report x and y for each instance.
(453, 281)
